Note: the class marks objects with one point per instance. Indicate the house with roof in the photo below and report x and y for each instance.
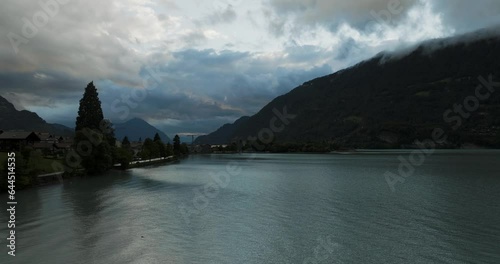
(50, 144)
(17, 140)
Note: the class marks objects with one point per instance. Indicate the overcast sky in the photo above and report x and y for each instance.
(212, 61)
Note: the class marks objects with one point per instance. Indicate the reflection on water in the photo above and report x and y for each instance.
(279, 209)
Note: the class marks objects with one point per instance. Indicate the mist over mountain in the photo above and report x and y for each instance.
(12, 119)
(136, 129)
(393, 99)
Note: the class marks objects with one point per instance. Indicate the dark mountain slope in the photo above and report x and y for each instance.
(221, 135)
(385, 102)
(12, 119)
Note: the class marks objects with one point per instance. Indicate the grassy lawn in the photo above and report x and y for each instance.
(45, 164)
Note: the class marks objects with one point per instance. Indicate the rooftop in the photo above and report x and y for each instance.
(16, 134)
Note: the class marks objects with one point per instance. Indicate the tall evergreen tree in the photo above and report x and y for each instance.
(177, 145)
(126, 141)
(157, 137)
(96, 155)
(90, 112)
(150, 149)
(108, 131)
(162, 150)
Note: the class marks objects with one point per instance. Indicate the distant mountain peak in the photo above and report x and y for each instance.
(137, 128)
(6, 104)
(12, 119)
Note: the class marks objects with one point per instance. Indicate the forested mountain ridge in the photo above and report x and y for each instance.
(393, 99)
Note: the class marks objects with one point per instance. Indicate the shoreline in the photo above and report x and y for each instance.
(353, 151)
(54, 178)
(145, 163)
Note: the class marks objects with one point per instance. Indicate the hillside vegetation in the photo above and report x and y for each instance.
(392, 100)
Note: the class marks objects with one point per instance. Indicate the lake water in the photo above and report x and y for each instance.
(268, 208)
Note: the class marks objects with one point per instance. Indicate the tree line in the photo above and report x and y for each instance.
(94, 150)
(95, 142)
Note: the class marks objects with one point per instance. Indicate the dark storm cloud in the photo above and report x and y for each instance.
(204, 84)
(162, 104)
(190, 126)
(39, 89)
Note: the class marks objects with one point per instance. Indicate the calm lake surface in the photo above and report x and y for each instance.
(268, 208)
